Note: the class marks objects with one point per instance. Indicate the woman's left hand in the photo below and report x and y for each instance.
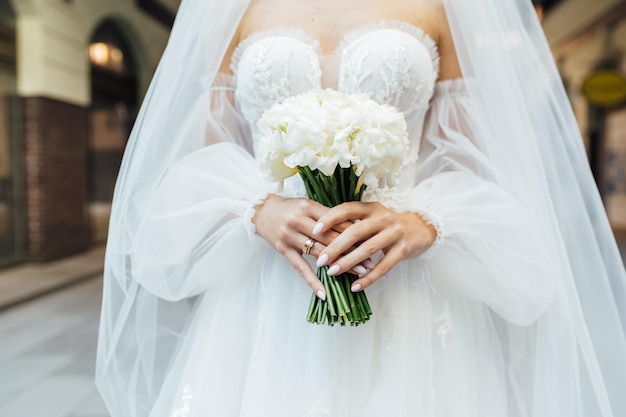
(376, 228)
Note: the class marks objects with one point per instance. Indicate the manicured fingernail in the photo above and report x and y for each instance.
(321, 295)
(368, 264)
(334, 270)
(322, 260)
(318, 228)
(356, 287)
(359, 269)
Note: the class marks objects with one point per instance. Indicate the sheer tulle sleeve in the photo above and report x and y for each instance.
(488, 246)
(198, 221)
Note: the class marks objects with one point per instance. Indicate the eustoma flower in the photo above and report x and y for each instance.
(340, 144)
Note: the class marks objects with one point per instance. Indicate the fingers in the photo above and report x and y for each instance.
(317, 249)
(342, 216)
(303, 268)
(298, 243)
(287, 224)
(356, 240)
(363, 252)
(385, 265)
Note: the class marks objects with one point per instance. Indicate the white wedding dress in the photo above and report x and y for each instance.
(452, 331)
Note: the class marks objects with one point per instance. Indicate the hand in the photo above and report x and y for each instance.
(286, 224)
(399, 235)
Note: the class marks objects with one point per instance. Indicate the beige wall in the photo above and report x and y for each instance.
(579, 44)
(580, 40)
(53, 36)
(571, 17)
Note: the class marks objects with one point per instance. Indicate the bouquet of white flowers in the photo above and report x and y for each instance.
(340, 144)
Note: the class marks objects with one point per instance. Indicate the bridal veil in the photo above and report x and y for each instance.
(576, 348)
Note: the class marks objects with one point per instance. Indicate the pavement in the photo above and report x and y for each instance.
(49, 319)
(26, 282)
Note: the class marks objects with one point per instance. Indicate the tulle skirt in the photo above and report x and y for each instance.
(250, 352)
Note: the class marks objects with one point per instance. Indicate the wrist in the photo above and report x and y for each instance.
(259, 207)
(436, 232)
(250, 218)
(428, 232)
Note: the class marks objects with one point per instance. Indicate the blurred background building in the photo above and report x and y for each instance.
(588, 40)
(73, 72)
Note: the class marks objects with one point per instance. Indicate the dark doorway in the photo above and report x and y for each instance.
(114, 103)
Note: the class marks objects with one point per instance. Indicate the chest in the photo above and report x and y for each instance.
(393, 62)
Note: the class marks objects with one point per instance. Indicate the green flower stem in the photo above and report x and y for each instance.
(341, 297)
(319, 313)
(359, 300)
(325, 281)
(356, 311)
(352, 178)
(320, 196)
(312, 305)
(365, 305)
(341, 305)
(342, 183)
(334, 190)
(309, 189)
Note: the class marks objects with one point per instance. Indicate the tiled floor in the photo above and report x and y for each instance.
(47, 354)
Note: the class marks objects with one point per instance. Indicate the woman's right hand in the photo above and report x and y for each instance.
(286, 224)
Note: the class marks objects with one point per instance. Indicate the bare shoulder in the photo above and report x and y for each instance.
(449, 66)
(431, 16)
(255, 13)
(252, 14)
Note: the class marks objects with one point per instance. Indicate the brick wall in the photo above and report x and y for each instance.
(55, 137)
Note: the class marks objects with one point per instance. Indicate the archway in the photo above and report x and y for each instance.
(114, 103)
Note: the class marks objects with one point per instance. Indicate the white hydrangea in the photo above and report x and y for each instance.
(326, 128)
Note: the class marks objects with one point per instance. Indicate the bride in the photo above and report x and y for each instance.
(495, 282)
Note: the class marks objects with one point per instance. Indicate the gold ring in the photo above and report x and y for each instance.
(306, 249)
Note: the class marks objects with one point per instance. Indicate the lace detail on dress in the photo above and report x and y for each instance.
(353, 73)
(270, 66)
(249, 214)
(253, 101)
(292, 33)
(405, 27)
(432, 218)
(282, 63)
(390, 197)
(393, 75)
(446, 325)
(402, 62)
(186, 398)
(321, 409)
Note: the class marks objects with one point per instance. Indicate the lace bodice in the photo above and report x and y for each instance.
(393, 62)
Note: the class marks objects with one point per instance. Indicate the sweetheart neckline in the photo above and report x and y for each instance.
(350, 37)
